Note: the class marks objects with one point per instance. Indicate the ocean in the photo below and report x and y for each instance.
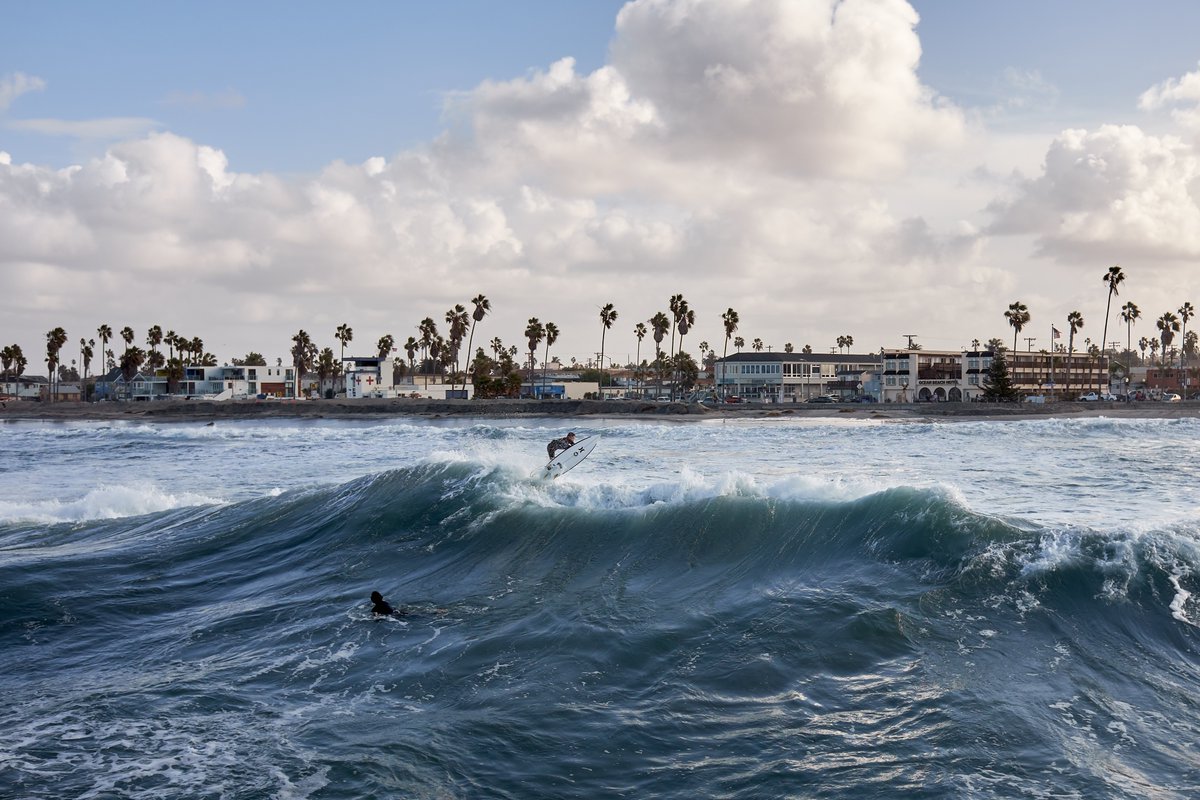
(771, 608)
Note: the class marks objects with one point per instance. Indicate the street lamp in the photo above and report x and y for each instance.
(1127, 397)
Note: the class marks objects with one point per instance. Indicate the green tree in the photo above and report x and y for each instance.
(639, 331)
(105, 333)
(252, 359)
(55, 339)
(482, 307)
(551, 338)
(1018, 317)
(608, 315)
(304, 355)
(659, 324)
(730, 319)
(686, 371)
(1113, 278)
(997, 384)
(456, 325)
(757, 345)
(345, 335)
(131, 362)
(534, 333)
(1186, 312)
(128, 335)
(429, 334)
(1074, 322)
(154, 337)
(410, 349)
(1168, 326)
(327, 370)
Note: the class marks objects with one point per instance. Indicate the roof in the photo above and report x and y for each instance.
(801, 358)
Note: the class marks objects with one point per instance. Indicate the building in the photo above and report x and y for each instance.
(233, 383)
(794, 377)
(953, 376)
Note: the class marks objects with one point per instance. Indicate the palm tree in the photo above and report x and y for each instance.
(482, 307)
(154, 337)
(410, 349)
(55, 339)
(1168, 326)
(639, 331)
(105, 333)
(675, 305)
(1018, 317)
(456, 320)
(849, 343)
(1186, 312)
(551, 338)
(85, 354)
(608, 315)
(1113, 280)
(739, 343)
(13, 357)
(1074, 322)
(788, 347)
(687, 319)
(327, 369)
(428, 331)
(1143, 343)
(6, 360)
(659, 324)
(127, 334)
(730, 318)
(534, 332)
(1129, 314)
(304, 354)
(345, 335)
(1153, 350)
(757, 345)
(131, 362)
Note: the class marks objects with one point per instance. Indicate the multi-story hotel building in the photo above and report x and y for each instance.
(795, 377)
(950, 375)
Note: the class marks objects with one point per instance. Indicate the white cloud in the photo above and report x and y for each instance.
(109, 128)
(778, 157)
(15, 84)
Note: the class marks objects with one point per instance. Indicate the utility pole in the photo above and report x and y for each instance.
(910, 337)
(1029, 340)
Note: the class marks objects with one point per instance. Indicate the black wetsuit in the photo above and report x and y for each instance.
(558, 444)
(382, 607)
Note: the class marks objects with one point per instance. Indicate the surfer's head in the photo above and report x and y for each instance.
(376, 597)
(571, 436)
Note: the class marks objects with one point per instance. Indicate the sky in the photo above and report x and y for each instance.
(873, 168)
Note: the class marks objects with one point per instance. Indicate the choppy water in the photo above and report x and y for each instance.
(714, 609)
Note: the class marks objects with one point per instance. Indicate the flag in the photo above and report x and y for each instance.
(1055, 333)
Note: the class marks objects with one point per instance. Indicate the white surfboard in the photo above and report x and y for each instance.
(567, 459)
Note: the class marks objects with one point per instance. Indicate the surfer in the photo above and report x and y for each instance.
(558, 445)
(382, 607)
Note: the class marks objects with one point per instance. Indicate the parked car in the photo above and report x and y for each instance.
(1171, 397)
(1089, 397)
(820, 399)
(864, 398)
(1108, 397)
(733, 398)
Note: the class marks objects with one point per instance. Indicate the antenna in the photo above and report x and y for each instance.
(910, 337)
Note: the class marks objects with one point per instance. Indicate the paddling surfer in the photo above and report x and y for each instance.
(558, 445)
(382, 607)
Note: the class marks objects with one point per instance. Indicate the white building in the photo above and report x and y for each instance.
(794, 377)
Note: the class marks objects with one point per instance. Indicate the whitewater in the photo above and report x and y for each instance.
(823, 608)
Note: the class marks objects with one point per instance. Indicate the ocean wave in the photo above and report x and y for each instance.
(104, 502)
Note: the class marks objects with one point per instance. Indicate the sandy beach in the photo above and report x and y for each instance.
(207, 411)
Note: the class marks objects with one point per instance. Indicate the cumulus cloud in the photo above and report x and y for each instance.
(16, 84)
(1116, 192)
(1172, 93)
(749, 153)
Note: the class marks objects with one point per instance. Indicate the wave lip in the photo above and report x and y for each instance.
(105, 502)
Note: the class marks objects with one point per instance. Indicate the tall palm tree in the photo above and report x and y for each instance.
(675, 305)
(131, 362)
(730, 320)
(739, 343)
(757, 345)
(345, 335)
(154, 337)
(18, 361)
(1113, 280)
(482, 307)
(55, 339)
(849, 343)
(687, 319)
(551, 338)
(6, 360)
(608, 315)
(127, 334)
(304, 355)
(1074, 322)
(1186, 312)
(429, 332)
(534, 333)
(1018, 317)
(1130, 313)
(639, 331)
(1143, 343)
(86, 354)
(660, 323)
(456, 320)
(411, 346)
(105, 333)
(1168, 326)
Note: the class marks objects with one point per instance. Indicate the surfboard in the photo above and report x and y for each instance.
(567, 459)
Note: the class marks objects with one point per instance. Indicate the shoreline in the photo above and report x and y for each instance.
(341, 409)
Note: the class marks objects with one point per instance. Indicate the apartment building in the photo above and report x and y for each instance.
(795, 377)
(914, 376)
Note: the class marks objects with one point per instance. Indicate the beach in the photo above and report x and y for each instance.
(204, 410)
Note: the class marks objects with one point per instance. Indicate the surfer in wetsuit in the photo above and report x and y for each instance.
(382, 607)
(558, 445)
